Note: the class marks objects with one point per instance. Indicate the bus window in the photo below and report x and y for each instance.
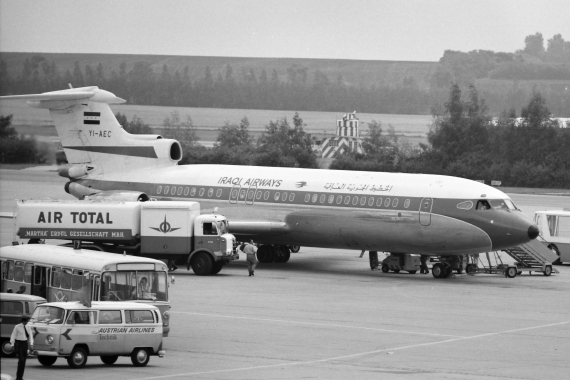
(28, 273)
(109, 317)
(76, 279)
(116, 287)
(11, 307)
(56, 277)
(138, 316)
(10, 269)
(564, 226)
(66, 278)
(19, 271)
(38, 276)
(552, 224)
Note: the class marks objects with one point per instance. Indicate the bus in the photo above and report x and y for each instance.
(554, 228)
(61, 274)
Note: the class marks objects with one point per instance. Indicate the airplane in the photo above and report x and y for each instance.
(399, 213)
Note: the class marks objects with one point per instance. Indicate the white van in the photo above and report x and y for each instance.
(106, 329)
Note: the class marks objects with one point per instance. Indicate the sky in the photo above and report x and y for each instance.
(401, 30)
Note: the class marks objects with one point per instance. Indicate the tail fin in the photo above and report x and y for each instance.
(93, 140)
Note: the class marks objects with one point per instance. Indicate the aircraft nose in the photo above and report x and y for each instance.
(533, 232)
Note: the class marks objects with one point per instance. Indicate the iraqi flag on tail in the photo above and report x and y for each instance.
(92, 118)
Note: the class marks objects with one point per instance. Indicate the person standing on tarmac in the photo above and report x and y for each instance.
(423, 264)
(250, 250)
(21, 336)
(373, 259)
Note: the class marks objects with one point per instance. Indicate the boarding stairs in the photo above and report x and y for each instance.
(532, 256)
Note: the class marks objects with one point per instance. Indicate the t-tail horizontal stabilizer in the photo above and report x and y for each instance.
(92, 137)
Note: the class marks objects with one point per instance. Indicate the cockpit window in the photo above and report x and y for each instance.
(483, 205)
(467, 205)
(498, 204)
(510, 204)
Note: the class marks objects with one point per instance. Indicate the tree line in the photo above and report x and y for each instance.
(467, 142)
(506, 79)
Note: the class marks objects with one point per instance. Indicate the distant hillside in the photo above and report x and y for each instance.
(354, 72)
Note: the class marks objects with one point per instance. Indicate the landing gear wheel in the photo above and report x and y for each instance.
(7, 349)
(283, 254)
(471, 268)
(140, 357)
(547, 270)
(265, 253)
(78, 358)
(109, 359)
(47, 361)
(437, 270)
(202, 264)
(385, 268)
(511, 272)
(217, 267)
(295, 248)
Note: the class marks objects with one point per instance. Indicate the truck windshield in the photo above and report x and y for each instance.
(134, 285)
(48, 314)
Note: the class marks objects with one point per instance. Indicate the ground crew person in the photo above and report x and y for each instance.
(250, 250)
(423, 264)
(21, 336)
(373, 260)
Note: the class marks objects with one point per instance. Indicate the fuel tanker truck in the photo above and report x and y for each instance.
(174, 232)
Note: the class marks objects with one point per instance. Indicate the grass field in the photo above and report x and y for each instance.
(37, 122)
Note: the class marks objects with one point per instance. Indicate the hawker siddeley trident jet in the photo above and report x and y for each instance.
(282, 207)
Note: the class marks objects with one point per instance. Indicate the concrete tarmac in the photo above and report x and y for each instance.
(326, 315)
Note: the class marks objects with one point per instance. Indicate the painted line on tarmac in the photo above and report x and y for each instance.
(357, 354)
(318, 324)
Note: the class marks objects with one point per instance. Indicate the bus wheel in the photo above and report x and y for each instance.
(555, 250)
(78, 358)
(109, 359)
(217, 267)
(202, 264)
(140, 357)
(7, 349)
(47, 361)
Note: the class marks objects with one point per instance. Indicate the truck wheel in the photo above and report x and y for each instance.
(7, 349)
(202, 264)
(109, 359)
(217, 267)
(78, 358)
(47, 361)
(140, 357)
(295, 248)
(385, 268)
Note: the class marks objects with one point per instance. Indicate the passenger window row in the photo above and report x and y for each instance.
(355, 200)
(181, 190)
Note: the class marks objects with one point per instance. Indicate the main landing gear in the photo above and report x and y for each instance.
(268, 253)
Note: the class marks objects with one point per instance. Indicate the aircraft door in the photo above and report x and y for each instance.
(425, 211)
(250, 197)
(234, 194)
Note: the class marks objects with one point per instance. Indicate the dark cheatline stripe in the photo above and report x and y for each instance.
(91, 113)
(134, 151)
(91, 122)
